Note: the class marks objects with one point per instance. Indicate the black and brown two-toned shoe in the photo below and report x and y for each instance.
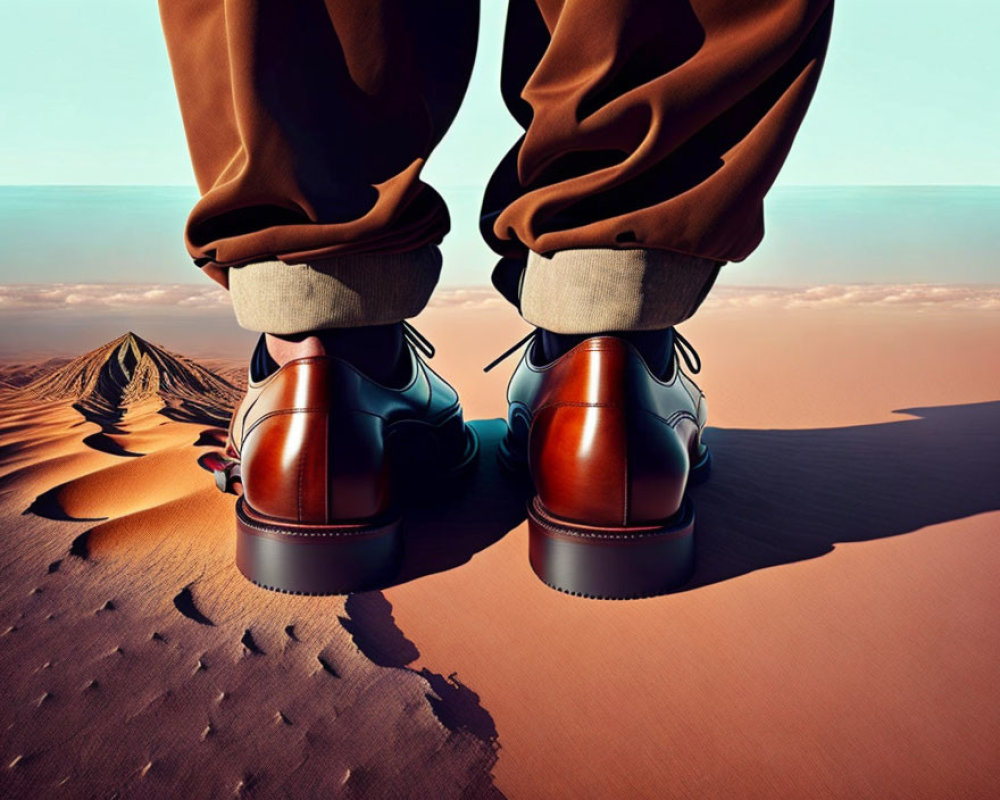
(611, 448)
(317, 452)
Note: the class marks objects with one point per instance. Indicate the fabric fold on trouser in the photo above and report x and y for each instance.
(309, 123)
(653, 126)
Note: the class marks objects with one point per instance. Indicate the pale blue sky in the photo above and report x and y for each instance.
(909, 96)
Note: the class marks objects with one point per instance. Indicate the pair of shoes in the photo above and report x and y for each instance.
(318, 452)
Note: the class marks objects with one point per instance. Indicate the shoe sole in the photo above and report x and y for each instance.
(315, 559)
(327, 559)
(606, 563)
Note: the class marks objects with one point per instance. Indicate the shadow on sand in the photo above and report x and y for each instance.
(442, 531)
(780, 496)
(370, 622)
(775, 497)
(445, 529)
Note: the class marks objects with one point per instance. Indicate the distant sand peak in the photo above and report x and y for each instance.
(130, 369)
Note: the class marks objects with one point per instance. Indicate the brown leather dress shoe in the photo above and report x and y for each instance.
(610, 448)
(318, 453)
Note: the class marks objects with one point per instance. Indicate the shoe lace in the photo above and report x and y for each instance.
(686, 351)
(418, 340)
(511, 350)
(682, 348)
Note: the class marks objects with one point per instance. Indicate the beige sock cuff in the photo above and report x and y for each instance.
(335, 292)
(602, 289)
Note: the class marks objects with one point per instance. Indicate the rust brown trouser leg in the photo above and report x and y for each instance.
(653, 130)
(308, 124)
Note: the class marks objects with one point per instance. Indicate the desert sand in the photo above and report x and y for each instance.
(839, 637)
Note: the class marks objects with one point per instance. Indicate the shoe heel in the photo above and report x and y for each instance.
(611, 563)
(316, 559)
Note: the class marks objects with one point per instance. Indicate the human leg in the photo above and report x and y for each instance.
(653, 130)
(308, 124)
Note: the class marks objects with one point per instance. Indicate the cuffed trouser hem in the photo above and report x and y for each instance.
(603, 289)
(336, 292)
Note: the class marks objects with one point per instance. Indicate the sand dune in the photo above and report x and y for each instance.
(136, 661)
(14, 374)
(838, 639)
